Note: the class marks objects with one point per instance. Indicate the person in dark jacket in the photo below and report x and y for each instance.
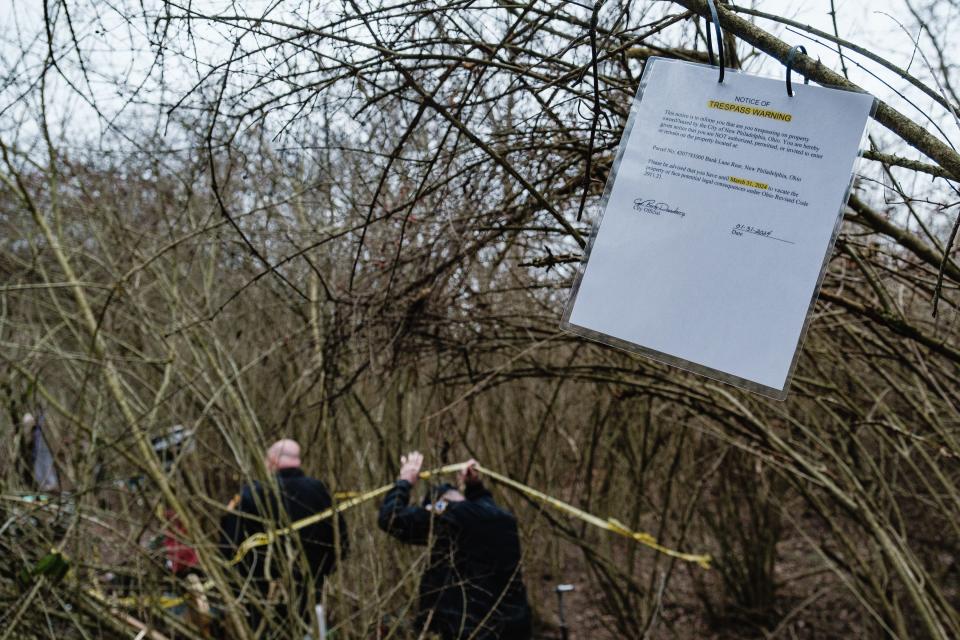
(311, 551)
(473, 585)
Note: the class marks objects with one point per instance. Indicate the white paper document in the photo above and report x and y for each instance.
(718, 219)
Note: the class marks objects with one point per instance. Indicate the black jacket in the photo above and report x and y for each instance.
(473, 586)
(301, 496)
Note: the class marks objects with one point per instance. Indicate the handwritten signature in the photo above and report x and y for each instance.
(655, 207)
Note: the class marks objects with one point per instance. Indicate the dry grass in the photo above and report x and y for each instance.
(369, 303)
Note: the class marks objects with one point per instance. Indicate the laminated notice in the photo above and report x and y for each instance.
(717, 222)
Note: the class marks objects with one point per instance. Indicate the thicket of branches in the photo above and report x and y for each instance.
(357, 224)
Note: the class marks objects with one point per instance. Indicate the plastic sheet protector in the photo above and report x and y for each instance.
(717, 222)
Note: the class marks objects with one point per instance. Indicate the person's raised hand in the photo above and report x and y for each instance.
(470, 474)
(410, 466)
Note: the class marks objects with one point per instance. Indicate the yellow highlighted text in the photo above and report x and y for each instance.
(749, 183)
(750, 111)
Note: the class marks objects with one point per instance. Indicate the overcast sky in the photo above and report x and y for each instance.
(117, 52)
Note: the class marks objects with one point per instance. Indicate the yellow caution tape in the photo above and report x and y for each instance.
(356, 498)
(610, 524)
(163, 602)
(265, 538)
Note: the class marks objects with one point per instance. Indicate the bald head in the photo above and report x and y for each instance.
(283, 454)
(28, 422)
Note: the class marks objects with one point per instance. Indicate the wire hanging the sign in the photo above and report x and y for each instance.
(715, 19)
(790, 58)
